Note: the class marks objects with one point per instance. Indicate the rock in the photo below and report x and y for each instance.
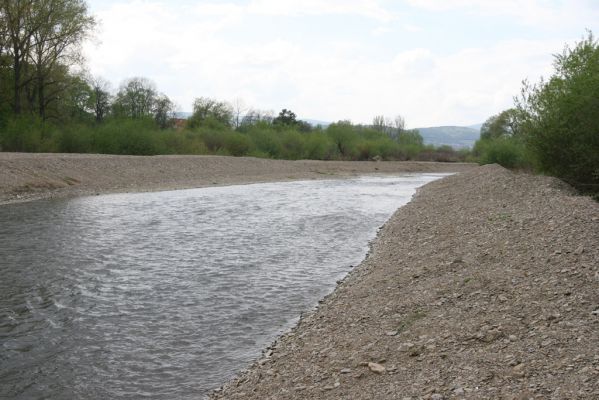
(579, 250)
(392, 333)
(376, 368)
(436, 396)
(519, 370)
(458, 391)
(345, 371)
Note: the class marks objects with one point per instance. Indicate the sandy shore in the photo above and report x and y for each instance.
(25, 176)
(485, 286)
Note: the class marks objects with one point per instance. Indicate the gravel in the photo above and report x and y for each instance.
(485, 286)
(28, 176)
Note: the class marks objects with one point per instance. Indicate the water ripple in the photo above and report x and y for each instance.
(167, 295)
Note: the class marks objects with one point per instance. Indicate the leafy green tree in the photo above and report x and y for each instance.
(164, 111)
(208, 112)
(506, 123)
(101, 98)
(560, 116)
(410, 137)
(39, 36)
(286, 117)
(63, 26)
(136, 98)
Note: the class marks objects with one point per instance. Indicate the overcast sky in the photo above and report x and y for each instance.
(436, 62)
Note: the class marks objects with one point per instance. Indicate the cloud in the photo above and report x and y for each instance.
(530, 12)
(199, 50)
(365, 8)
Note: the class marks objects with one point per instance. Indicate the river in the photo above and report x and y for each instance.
(169, 294)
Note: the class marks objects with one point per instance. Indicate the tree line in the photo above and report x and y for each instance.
(49, 104)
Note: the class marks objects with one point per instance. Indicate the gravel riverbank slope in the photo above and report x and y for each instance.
(25, 176)
(485, 286)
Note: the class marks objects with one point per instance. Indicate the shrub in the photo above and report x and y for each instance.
(560, 116)
(506, 151)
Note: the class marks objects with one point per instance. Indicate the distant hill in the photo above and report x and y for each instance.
(183, 114)
(315, 122)
(455, 136)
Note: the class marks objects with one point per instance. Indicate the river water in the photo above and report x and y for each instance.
(167, 295)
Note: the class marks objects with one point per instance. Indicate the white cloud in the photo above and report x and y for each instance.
(191, 52)
(531, 12)
(365, 8)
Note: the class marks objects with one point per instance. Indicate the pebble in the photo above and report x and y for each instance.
(376, 368)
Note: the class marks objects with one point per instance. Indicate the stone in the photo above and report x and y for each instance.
(376, 368)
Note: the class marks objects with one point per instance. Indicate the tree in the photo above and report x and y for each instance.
(136, 98)
(379, 123)
(253, 117)
(410, 137)
(164, 111)
(399, 123)
(504, 124)
(560, 116)
(285, 117)
(101, 98)
(239, 109)
(20, 26)
(65, 24)
(38, 37)
(208, 111)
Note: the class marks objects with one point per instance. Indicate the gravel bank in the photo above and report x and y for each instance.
(26, 176)
(485, 286)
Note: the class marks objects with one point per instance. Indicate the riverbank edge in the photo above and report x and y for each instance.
(33, 176)
(451, 301)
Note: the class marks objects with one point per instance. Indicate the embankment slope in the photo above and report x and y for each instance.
(25, 176)
(485, 286)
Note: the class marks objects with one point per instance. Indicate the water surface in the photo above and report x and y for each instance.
(169, 294)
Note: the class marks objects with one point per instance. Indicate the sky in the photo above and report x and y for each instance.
(435, 62)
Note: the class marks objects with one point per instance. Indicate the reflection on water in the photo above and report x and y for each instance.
(167, 295)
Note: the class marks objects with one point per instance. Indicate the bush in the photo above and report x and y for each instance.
(560, 116)
(506, 151)
(25, 133)
(238, 144)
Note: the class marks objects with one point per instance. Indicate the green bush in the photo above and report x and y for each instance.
(238, 144)
(318, 146)
(25, 134)
(506, 151)
(74, 139)
(560, 117)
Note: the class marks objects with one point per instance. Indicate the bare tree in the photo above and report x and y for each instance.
(378, 123)
(239, 110)
(399, 123)
(254, 116)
